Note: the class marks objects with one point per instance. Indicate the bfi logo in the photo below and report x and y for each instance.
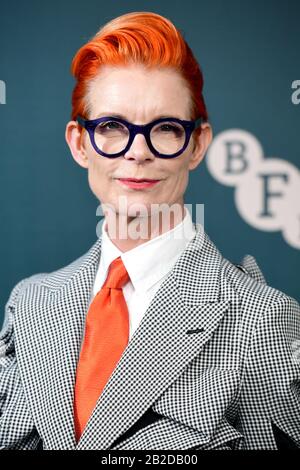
(2, 92)
(266, 189)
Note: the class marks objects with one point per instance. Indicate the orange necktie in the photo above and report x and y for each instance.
(106, 336)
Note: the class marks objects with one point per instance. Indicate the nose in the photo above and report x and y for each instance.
(139, 150)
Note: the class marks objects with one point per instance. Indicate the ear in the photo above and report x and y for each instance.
(202, 141)
(75, 142)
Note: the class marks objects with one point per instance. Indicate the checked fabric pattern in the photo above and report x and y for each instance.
(214, 363)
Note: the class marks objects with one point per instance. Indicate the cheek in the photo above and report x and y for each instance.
(177, 182)
(98, 177)
(180, 171)
(181, 181)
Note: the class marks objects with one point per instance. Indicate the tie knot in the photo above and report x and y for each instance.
(117, 274)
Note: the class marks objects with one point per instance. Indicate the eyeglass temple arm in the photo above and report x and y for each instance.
(80, 121)
(199, 121)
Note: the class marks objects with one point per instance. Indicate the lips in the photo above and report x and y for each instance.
(142, 180)
(137, 184)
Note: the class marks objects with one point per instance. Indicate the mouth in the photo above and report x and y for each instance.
(138, 183)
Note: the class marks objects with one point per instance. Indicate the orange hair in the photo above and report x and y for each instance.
(138, 37)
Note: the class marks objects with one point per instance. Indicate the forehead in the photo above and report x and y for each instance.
(136, 91)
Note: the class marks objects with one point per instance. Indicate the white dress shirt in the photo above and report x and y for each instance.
(147, 264)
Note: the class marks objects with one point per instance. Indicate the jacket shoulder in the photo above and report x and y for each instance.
(22, 285)
(55, 279)
(248, 281)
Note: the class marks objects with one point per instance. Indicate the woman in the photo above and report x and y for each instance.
(152, 339)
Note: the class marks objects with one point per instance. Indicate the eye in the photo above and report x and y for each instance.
(110, 125)
(169, 127)
(111, 128)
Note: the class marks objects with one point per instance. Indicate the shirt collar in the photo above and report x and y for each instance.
(149, 262)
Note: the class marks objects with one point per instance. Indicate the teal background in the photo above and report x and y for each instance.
(249, 54)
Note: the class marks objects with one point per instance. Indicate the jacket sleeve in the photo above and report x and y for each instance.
(269, 412)
(17, 430)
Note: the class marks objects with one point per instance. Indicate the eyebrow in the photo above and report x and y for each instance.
(121, 116)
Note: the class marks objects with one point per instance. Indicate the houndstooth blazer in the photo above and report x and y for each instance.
(212, 365)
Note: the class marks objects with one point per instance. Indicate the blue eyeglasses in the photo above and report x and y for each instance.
(166, 137)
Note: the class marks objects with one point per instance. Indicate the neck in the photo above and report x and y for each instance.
(127, 232)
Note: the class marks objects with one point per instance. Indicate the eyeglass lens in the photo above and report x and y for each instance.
(166, 137)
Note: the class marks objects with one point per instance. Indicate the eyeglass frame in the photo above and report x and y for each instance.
(134, 129)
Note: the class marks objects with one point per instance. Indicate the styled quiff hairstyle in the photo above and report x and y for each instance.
(140, 38)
